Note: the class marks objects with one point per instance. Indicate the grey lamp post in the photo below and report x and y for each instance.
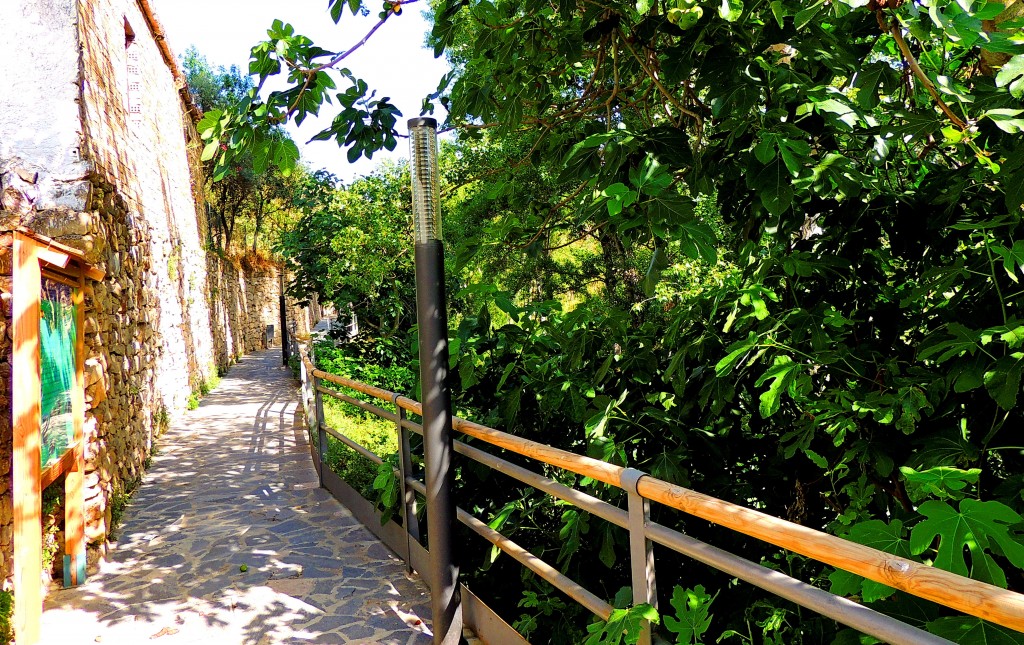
(283, 304)
(432, 320)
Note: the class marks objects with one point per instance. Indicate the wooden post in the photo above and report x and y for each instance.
(74, 493)
(28, 530)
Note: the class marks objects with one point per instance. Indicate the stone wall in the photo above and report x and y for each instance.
(137, 137)
(6, 421)
(112, 177)
(40, 123)
(245, 298)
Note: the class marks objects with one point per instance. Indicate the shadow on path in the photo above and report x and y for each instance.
(233, 488)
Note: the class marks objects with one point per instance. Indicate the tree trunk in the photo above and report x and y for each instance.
(618, 272)
(260, 205)
(992, 61)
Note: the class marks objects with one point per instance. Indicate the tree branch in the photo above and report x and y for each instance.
(342, 56)
(894, 29)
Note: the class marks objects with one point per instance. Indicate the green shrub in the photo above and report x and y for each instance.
(381, 368)
(377, 435)
(51, 505)
(119, 501)
(6, 612)
(210, 384)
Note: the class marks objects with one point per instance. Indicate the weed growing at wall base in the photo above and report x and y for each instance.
(204, 387)
(162, 420)
(119, 501)
(209, 384)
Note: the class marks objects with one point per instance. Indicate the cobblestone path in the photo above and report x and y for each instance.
(232, 487)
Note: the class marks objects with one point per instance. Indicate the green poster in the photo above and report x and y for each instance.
(57, 360)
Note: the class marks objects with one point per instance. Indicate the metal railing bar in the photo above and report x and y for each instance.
(412, 425)
(567, 585)
(369, 407)
(592, 505)
(416, 485)
(571, 588)
(353, 445)
(840, 609)
(407, 503)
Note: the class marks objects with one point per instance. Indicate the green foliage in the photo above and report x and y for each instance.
(6, 614)
(209, 384)
(355, 469)
(692, 619)
(890, 538)
(120, 498)
(162, 420)
(736, 245)
(373, 481)
(51, 510)
(690, 622)
(961, 629)
(202, 387)
(623, 626)
(386, 486)
(545, 606)
(351, 246)
(380, 363)
(980, 528)
(364, 124)
(252, 196)
(942, 482)
(772, 621)
(945, 535)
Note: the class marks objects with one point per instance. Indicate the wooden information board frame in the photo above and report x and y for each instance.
(35, 257)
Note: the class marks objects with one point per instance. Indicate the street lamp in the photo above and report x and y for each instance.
(432, 321)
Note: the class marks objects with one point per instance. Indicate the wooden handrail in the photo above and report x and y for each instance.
(972, 597)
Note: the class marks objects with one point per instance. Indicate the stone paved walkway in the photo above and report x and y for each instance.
(233, 487)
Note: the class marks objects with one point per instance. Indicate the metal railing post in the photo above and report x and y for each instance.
(321, 427)
(408, 499)
(305, 394)
(641, 550)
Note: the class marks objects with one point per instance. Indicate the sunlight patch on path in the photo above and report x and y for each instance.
(230, 540)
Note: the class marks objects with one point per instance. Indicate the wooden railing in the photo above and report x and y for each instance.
(972, 597)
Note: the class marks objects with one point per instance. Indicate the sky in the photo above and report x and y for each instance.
(393, 61)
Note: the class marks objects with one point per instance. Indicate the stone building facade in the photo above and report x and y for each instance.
(98, 151)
